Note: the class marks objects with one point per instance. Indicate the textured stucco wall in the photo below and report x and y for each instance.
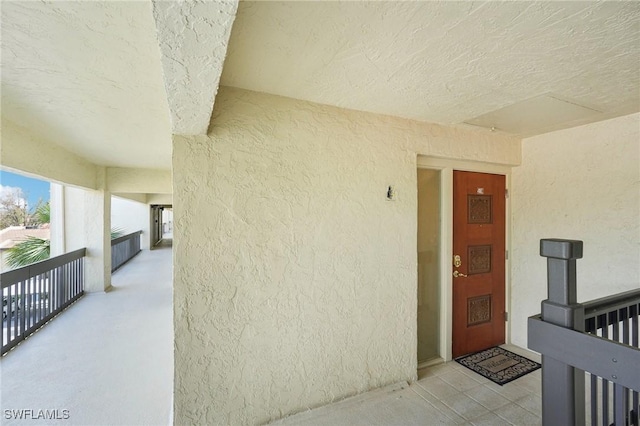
(122, 179)
(88, 224)
(193, 38)
(140, 198)
(581, 183)
(131, 216)
(21, 150)
(159, 199)
(295, 279)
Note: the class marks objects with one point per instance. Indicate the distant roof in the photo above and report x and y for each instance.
(12, 235)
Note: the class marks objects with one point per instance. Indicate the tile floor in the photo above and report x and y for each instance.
(445, 394)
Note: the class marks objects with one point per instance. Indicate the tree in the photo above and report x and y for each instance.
(42, 213)
(33, 249)
(29, 251)
(13, 208)
(116, 233)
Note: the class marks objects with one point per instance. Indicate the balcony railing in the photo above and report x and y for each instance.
(34, 294)
(124, 248)
(595, 342)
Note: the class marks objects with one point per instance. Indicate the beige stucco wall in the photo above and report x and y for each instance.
(22, 151)
(123, 179)
(295, 278)
(131, 216)
(87, 223)
(166, 199)
(581, 183)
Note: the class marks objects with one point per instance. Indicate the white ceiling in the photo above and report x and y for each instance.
(87, 76)
(91, 76)
(193, 39)
(444, 62)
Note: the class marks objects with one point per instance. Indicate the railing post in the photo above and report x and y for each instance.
(562, 385)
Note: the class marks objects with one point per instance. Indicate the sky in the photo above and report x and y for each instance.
(33, 189)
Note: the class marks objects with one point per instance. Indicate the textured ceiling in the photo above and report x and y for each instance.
(91, 76)
(87, 76)
(443, 62)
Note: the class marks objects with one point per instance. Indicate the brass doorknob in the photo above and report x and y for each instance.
(458, 274)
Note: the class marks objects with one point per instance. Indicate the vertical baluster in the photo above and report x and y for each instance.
(75, 281)
(82, 274)
(4, 320)
(34, 295)
(45, 294)
(617, 394)
(33, 291)
(590, 326)
(9, 312)
(47, 284)
(3, 338)
(74, 273)
(624, 315)
(37, 296)
(54, 285)
(65, 289)
(31, 311)
(40, 295)
(26, 305)
(635, 335)
(72, 267)
(78, 266)
(620, 404)
(594, 400)
(14, 309)
(25, 311)
(20, 308)
(52, 288)
(73, 278)
(605, 382)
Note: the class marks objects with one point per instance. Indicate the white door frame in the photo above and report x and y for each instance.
(446, 168)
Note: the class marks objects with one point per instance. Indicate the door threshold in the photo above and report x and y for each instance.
(430, 363)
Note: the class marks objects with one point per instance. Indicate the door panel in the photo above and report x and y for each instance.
(479, 261)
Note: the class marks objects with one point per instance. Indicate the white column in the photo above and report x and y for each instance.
(56, 224)
(88, 224)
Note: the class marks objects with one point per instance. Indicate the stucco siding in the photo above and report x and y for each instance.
(581, 183)
(295, 278)
(131, 216)
(25, 152)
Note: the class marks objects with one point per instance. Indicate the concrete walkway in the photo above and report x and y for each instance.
(108, 359)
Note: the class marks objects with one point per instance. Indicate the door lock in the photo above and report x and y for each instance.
(457, 262)
(459, 275)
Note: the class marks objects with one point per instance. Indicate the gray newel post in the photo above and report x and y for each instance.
(562, 385)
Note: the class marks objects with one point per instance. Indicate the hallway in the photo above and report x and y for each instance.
(108, 359)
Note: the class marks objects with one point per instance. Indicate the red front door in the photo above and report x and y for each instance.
(478, 261)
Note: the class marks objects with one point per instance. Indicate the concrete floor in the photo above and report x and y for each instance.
(108, 359)
(446, 394)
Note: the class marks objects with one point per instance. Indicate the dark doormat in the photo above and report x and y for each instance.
(498, 365)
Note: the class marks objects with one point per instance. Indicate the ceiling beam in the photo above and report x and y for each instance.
(193, 38)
